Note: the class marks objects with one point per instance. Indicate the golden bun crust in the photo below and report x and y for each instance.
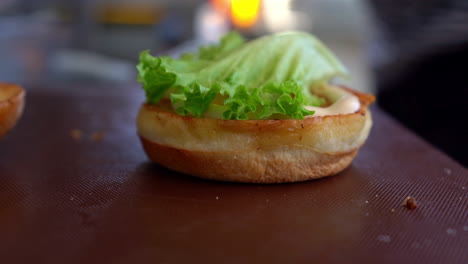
(254, 151)
(11, 106)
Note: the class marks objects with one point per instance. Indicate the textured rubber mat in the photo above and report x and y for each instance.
(76, 187)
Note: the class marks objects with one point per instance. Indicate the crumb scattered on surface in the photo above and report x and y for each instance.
(410, 203)
(384, 238)
(217, 198)
(451, 231)
(377, 196)
(393, 210)
(367, 202)
(448, 171)
(76, 134)
(97, 136)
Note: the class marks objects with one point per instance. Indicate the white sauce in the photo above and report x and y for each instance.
(344, 102)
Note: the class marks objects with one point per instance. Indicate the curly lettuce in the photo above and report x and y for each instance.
(267, 78)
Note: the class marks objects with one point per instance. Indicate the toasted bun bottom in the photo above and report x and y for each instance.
(254, 151)
(11, 106)
(264, 166)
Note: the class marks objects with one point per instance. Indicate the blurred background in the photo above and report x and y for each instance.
(411, 54)
(100, 40)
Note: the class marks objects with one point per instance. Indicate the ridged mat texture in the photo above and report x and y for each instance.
(76, 187)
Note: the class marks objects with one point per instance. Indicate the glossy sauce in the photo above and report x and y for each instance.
(344, 102)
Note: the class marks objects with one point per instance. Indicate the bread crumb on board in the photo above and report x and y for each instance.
(97, 136)
(76, 134)
(410, 203)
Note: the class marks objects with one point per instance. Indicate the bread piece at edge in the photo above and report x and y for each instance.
(11, 106)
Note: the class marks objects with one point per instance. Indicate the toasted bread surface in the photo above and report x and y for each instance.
(11, 106)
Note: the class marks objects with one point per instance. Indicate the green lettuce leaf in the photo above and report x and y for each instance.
(269, 77)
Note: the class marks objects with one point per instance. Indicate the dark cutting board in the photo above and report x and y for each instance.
(97, 199)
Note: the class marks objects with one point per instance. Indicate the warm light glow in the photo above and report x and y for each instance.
(244, 13)
(211, 24)
(221, 5)
(278, 16)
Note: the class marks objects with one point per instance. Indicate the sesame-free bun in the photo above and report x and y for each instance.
(11, 106)
(255, 151)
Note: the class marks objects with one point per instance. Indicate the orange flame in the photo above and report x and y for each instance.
(244, 13)
(221, 5)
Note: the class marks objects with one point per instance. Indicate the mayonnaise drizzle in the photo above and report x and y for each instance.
(344, 102)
